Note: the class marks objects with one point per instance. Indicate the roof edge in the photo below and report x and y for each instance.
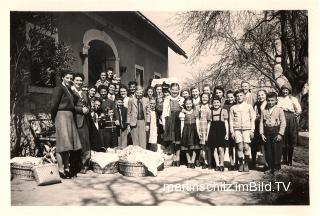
(175, 47)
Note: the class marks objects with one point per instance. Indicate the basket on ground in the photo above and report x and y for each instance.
(22, 171)
(132, 169)
(108, 169)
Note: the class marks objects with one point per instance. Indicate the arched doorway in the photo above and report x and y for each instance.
(101, 55)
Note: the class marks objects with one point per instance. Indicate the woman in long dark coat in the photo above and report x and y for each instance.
(82, 107)
(62, 113)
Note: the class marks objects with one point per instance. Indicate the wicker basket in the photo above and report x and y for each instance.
(108, 169)
(132, 169)
(22, 171)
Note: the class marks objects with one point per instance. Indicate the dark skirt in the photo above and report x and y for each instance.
(290, 137)
(257, 141)
(67, 136)
(84, 135)
(173, 128)
(109, 138)
(190, 139)
(217, 133)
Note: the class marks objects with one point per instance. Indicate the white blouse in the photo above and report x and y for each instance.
(289, 103)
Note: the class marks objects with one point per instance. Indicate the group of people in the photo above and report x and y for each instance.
(195, 127)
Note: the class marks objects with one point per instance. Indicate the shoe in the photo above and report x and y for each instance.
(62, 175)
(189, 165)
(68, 174)
(210, 167)
(231, 168)
(240, 167)
(193, 166)
(290, 163)
(222, 168)
(84, 170)
(173, 163)
(285, 162)
(197, 164)
(217, 168)
(246, 167)
(276, 172)
(177, 163)
(204, 166)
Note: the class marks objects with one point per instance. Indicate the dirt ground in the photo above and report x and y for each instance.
(114, 189)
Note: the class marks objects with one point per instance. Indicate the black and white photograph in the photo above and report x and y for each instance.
(134, 107)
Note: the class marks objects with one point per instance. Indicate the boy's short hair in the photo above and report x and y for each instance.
(110, 69)
(119, 97)
(230, 92)
(102, 87)
(216, 98)
(98, 99)
(272, 95)
(132, 83)
(238, 91)
(92, 87)
(218, 88)
(245, 82)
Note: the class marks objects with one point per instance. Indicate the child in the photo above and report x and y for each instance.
(219, 91)
(249, 97)
(153, 131)
(185, 93)
(190, 138)
(242, 124)
(171, 122)
(195, 93)
(257, 143)
(272, 129)
(123, 128)
(108, 129)
(231, 144)
(95, 140)
(138, 118)
(207, 90)
(103, 80)
(218, 134)
(203, 122)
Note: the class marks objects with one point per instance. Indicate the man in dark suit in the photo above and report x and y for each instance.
(106, 102)
(123, 127)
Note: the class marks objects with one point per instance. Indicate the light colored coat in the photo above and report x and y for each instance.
(242, 118)
(133, 111)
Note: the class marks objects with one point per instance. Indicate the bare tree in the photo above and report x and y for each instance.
(250, 44)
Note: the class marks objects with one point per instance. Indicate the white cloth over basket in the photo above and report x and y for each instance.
(136, 154)
(104, 158)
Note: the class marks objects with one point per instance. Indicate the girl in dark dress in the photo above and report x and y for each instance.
(170, 119)
(218, 133)
(108, 129)
(190, 137)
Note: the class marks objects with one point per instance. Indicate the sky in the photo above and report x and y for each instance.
(178, 66)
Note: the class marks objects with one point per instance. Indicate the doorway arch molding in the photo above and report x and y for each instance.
(94, 34)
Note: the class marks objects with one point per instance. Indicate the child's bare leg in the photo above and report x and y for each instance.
(221, 156)
(194, 154)
(188, 156)
(216, 156)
